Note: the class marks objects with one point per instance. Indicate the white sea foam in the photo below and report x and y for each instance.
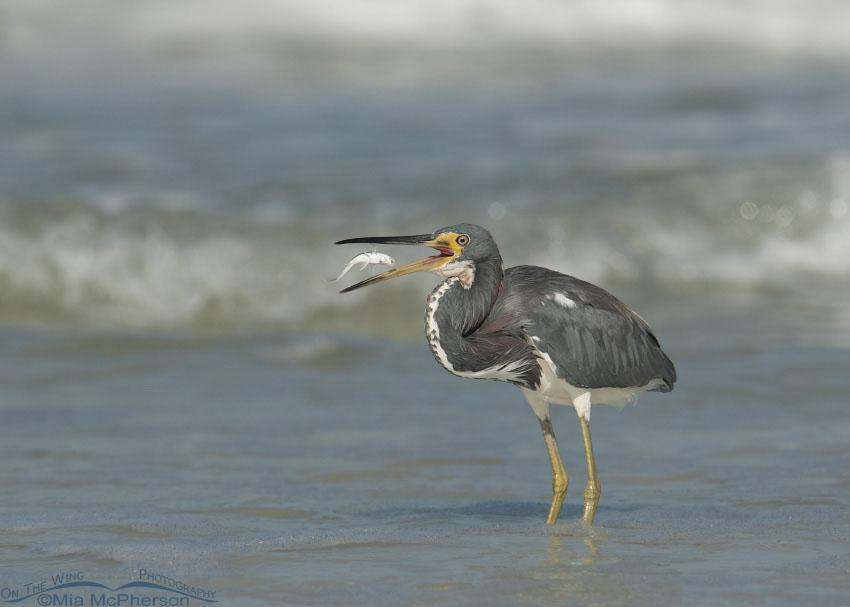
(694, 255)
(94, 266)
(795, 26)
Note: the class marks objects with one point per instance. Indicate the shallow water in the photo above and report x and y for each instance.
(329, 469)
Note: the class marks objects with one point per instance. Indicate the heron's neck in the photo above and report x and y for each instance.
(460, 304)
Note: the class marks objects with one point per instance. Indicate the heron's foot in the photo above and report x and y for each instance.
(594, 487)
(591, 500)
(560, 480)
(559, 493)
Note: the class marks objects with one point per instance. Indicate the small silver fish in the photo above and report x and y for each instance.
(367, 258)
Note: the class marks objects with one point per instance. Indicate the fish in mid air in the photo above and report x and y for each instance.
(367, 258)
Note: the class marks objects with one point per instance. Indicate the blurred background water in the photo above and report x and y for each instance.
(184, 391)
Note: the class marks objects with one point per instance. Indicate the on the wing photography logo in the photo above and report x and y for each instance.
(75, 589)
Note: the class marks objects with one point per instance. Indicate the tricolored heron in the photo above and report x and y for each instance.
(560, 339)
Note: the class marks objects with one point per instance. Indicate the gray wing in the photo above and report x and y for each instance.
(593, 338)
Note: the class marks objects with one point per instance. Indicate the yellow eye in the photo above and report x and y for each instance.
(462, 240)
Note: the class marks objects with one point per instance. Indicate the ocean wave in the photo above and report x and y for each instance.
(815, 27)
(156, 268)
(166, 267)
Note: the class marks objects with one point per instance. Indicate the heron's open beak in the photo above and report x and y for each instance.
(441, 242)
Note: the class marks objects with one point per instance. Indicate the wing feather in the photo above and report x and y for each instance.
(594, 339)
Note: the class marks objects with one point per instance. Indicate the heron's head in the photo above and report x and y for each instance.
(461, 248)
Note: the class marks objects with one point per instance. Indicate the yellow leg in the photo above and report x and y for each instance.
(594, 487)
(559, 473)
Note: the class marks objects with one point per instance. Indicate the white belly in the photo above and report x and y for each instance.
(554, 390)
